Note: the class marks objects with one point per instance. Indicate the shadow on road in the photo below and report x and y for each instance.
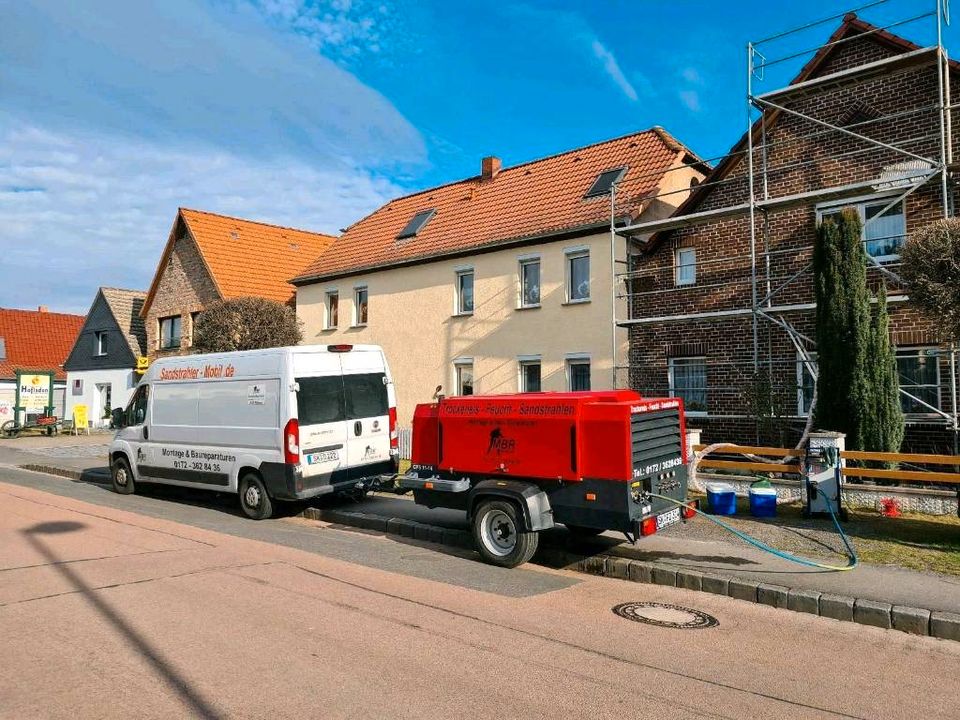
(199, 706)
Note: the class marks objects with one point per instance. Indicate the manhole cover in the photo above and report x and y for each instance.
(664, 615)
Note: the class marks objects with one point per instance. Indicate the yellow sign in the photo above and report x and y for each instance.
(34, 391)
(80, 417)
(142, 364)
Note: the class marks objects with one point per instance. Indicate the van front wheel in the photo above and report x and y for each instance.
(254, 499)
(122, 477)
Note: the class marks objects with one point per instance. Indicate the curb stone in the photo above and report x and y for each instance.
(689, 579)
(871, 612)
(837, 607)
(772, 595)
(743, 589)
(715, 584)
(945, 625)
(807, 601)
(664, 576)
(911, 620)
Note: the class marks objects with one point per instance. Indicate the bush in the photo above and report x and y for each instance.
(931, 269)
(247, 323)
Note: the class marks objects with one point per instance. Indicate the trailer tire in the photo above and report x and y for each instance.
(499, 535)
(122, 477)
(254, 499)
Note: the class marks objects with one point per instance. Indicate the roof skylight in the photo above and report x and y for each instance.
(416, 224)
(605, 181)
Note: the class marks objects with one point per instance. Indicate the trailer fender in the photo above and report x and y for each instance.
(534, 503)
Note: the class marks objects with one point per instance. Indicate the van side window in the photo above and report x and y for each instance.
(137, 409)
(366, 395)
(320, 400)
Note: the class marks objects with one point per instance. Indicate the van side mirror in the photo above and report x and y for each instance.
(118, 417)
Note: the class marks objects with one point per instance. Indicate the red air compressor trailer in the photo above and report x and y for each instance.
(518, 464)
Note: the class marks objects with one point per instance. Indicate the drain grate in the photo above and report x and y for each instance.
(664, 615)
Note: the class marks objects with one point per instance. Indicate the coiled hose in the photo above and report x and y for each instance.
(851, 553)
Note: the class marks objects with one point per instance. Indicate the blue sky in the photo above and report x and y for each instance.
(312, 113)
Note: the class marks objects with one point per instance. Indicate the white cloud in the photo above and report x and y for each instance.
(691, 75)
(570, 27)
(342, 29)
(691, 99)
(113, 118)
(613, 69)
(85, 211)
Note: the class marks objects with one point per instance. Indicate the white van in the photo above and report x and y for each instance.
(279, 424)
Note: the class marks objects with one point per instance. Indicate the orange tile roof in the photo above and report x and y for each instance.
(245, 257)
(525, 201)
(37, 340)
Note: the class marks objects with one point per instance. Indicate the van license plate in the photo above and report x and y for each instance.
(668, 518)
(322, 457)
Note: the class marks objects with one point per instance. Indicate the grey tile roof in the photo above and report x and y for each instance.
(125, 306)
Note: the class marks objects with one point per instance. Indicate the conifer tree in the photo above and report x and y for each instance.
(883, 424)
(843, 327)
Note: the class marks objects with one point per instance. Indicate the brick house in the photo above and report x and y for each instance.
(695, 329)
(211, 257)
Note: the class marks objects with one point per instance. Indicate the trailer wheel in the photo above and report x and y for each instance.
(499, 535)
(122, 477)
(253, 498)
(580, 532)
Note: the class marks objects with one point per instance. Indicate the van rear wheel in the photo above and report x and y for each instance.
(254, 499)
(499, 535)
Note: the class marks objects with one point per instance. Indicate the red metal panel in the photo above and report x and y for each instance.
(530, 435)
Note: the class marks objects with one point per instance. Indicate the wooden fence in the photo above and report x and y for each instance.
(764, 461)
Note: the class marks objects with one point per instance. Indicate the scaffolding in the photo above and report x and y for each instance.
(897, 153)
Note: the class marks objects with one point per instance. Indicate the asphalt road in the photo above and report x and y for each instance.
(170, 605)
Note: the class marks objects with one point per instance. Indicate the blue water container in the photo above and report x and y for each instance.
(763, 502)
(721, 499)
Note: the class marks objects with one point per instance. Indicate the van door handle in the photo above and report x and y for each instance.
(146, 433)
(358, 428)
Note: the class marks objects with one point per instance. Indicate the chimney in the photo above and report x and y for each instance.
(42, 308)
(490, 168)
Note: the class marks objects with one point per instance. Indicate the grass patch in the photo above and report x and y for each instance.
(915, 541)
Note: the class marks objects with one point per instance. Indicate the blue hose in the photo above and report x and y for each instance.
(852, 555)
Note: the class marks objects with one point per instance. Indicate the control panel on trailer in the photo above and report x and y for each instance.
(518, 464)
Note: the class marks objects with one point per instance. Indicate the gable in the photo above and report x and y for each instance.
(83, 354)
(183, 280)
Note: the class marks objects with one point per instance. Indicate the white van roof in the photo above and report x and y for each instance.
(199, 358)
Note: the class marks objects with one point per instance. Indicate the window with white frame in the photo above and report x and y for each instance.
(887, 229)
(578, 373)
(102, 342)
(463, 376)
(170, 332)
(530, 375)
(688, 380)
(464, 299)
(685, 266)
(919, 371)
(578, 275)
(806, 383)
(360, 312)
(530, 282)
(333, 309)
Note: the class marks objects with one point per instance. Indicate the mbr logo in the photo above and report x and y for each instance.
(499, 444)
